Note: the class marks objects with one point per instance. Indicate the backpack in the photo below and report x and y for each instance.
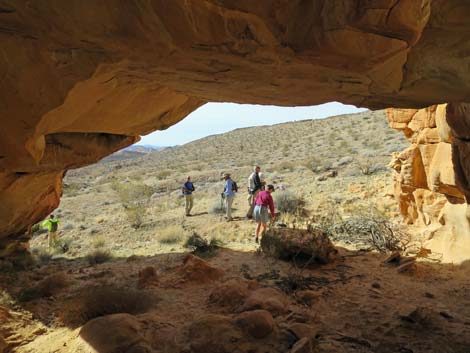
(234, 186)
(54, 226)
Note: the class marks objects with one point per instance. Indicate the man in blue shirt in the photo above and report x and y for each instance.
(188, 189)
(229, 194)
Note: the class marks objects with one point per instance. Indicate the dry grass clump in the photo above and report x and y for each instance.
(99, 256)
(288, 202)
(48, 287)
(171, 235)
(95, 301)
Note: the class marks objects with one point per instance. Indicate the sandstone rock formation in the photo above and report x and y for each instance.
(432, 180)
(80, 80)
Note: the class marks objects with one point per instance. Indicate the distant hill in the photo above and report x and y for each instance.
(134, 151)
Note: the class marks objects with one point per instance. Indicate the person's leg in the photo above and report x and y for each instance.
(263, 231)
(229, 200)
(52, 239)
(249, 214)
(258, 228)
(190, 204)
(186, 204)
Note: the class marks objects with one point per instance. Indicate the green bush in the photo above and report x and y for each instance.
(287, 202)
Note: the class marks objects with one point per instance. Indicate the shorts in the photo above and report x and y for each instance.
(261, 214)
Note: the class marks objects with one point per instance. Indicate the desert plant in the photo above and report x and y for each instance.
(218, 207)
(201, 246)
(99, 242)
(171, 235)
(98, 257)
(62, 245)
(134, 198)
(287, 202)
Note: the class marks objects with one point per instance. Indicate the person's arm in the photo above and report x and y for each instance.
(271, 205)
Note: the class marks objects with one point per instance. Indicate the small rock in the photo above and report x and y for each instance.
(257, 323)
(376, 285)
(268, 299)
(429, 295)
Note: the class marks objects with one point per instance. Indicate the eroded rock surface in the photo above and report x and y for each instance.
(432, 181)
(79, 80)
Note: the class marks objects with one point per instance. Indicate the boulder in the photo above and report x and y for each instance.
(195, 269)
(213, 334)
(257, 323)
(308, 246)
(268, 299)
(232, 293)
(115, 333)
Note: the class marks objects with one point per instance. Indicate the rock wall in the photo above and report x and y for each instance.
(432, 180)
(76, 74)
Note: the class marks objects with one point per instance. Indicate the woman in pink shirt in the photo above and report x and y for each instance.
(264, 200)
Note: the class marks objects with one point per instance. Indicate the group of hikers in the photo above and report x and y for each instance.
(260, 202)
(259, 198)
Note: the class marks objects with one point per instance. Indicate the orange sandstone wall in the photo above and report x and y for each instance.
(432, 180)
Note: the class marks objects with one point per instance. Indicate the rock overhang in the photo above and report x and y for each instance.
(99, 76)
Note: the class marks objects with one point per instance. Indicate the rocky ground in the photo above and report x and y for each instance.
(237, 302)
(122, 277)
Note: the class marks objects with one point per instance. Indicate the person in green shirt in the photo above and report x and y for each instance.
(51, 224)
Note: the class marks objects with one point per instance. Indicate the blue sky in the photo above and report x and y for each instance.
(217, 118)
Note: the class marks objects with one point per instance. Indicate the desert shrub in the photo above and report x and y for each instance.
(287, 202)
(218, 207)
(95, 301)
(48, 287)
(129, 193)
(62, 245)
(99, 242)
(98, 257)
(134, 198)
(289, 166)
(201, 246)
(171, 235)
(163, 174)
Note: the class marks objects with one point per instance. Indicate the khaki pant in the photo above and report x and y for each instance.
(251, 203)
(188, 203)
(52, 238)
(228, 206)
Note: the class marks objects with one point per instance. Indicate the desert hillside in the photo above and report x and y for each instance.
(134, 205)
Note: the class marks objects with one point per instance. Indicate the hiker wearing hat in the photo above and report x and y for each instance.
(255, 185)
(229, 193)
(263, 201)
